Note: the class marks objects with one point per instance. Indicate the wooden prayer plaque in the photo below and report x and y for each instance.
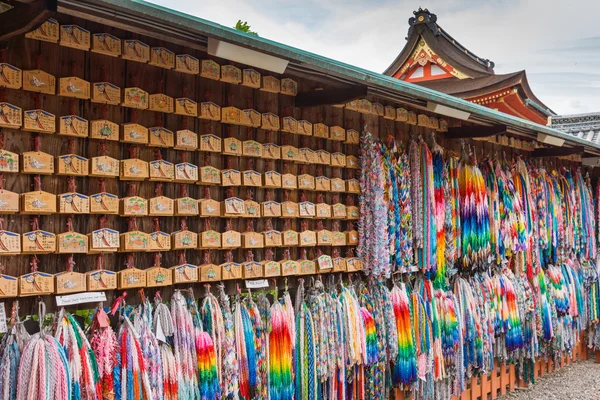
(412, 118)
(234, 207)
(71, 242)
(401, 115)
(210, 69)
(306, 209)
(209, 208)
(160, 102)
(39, 121)
(321, 131)
(158, 276)
(210, 111)
(101, 280)
(351, 162)
(289, 267)
(271, 209)
(231, 177)
(10, 243)
(339, 264)
(210, 143)
(270, 268)
(106, 93)
(187, 107)
(352, 136)
(338, 210)
(161, 170)
(104, 240)
(273, 238)
(185, 273)
(134, 241)
(104, 167)
(183, 240)
(351, 238)
(36, 284)
(251, 148)
(42, 82)
(12, 77)
(9, 162)
(232, 146)
(251, 78)
(290, 238)
(251, 178)
(289, 87)
(322, 184)
(306, 267)
(104, 203)
(353, 264)
(434, 123)
(352, 186)
(210, 273)
(133, 206)
(307, 156)
(72, 125)
(187, 64)
(70, 282)
(443, 125)
(73, 203)
(131, 278)
(306, 182)
(324, 238)
(10, 116)
(289, 124)
(323, 157)
(423, 120)
(134, 133)
(272, 179)
(105, 43)
(159, 241)
(104, 129)
(9, 286)
(271, 151)
(270, 84)
(135, 50)
(231, 270)
(252, 270)
(39, 242)
(231, 115)
(289, 181)
(377, 109)
(161, 137)
(231, 74)
(38, 203)
(9, 202)
(162, 57)
(389, 112)
(270, 122)
(210, 240)
(134, 169)
(253, 240)
(47, 32)
(186, 140)
(209, 176)
(351, 105)
(186, 206)
(337, 133)
(305, 128)
(322, 211)
(161, 206)
(338, 239)
(186, 173)
(324, 263)
(231, 240)
(290, 153)
(338, 185)
(289, 209)
(352, 212)
(338, 160)
(364, 106)
(135, 97)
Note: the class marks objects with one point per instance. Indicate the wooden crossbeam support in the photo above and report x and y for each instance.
(557, 151)
(25, 18)
(469, 132)
(330, 96)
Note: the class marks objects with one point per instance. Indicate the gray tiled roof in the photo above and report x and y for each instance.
(584, 126)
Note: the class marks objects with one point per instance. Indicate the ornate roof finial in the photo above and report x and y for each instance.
(423, 16)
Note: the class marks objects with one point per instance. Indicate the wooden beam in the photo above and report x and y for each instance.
(25, 18)
(557, 151)
(330, 96)
(469, 132)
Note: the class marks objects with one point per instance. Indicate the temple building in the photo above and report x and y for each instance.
(434, 59)
(584, 126)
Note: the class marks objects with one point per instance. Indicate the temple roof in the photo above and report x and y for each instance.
(584, 126)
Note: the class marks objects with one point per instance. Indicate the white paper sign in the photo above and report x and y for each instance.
(79, 298)
(160, 334)
(257, 284)
(3, 327)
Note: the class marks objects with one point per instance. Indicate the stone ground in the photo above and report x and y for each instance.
(578, 381)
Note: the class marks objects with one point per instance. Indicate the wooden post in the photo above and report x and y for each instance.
(475, 389)
(504, 379)
(512, 377)
(597, 356)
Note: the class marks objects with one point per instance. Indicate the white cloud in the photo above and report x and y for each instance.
(541, 36)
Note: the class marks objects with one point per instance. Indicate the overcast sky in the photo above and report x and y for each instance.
(556, 41)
